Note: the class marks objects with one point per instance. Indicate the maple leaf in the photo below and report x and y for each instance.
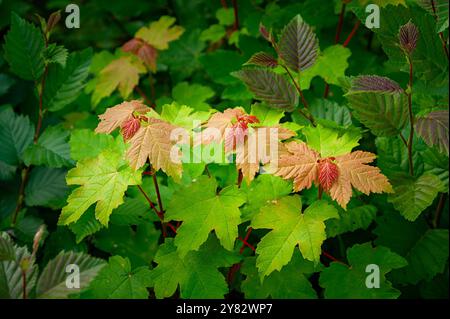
(160, 33)
(120, 114)
(259, 147)
(104, 180)
(197, 273)
(220, 121)
(152, 141)
(290, 227)
(202, 210)
(334, 174)
(147, 53)
(122, 73)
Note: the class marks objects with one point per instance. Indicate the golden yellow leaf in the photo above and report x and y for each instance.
(160, 33)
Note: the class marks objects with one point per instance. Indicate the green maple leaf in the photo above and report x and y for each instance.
(341, 281)
(197, 274)
(202, 210)
(289, 283)
(104, 180)
(290, 227)
(329, 142)
(117, 280)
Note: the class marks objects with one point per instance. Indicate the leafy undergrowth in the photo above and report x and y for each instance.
(216, 149)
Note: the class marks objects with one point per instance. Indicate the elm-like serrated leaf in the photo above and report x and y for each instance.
(153, 142)
(16, 134)
(270, 88)
(342, 281)
(46, 187)
(64, 83)
(159, 33)
(411, 196)
(408, 36)
(298, 45)
(56, 54)
(121, 74)
(384, 113)
(196, 274)
(117, 115)
(202, 210)
(52, 280)
(103, 180)
(11, 284)
(6, 248)
(86, 225)
(375, 83)
(290, 227)
(433, 128)
(118, 280)
(262, 59)
(289, 283)
(24, 46)
(439, 10)
(51, 149)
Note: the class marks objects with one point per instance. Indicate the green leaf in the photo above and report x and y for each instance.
(51, 149)
(330, 113)
(266, 115)
(220, 63)
(360, 217)
(214, 33)
(385, 114)
(133, 212)
(202, 210)
(11, 275)
(290, 227)
(411, 196)
(138, 245)
(436, 163)
(86, 143)
(183, 116)
(194, 95)
(196, 273)
(64, 84)
(86, 225)
(289, 283)
(16, 134)
(24, 45)
(433, 128)
(225, 16)
(46, 187)
(340, 281)
(298, 45)
(330, 142)
(55, 54)
(52, 283)
(117, 280)
(269, 87)
(330, 66)
(104, 180)
(262, 191)
(427, 258)
(6, 248)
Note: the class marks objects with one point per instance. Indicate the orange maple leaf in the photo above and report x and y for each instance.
(336, 175)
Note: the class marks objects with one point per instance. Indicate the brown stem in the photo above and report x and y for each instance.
(240, 178)
(20, 199)
(24, 284)
(236, 15)
(411, 119)
(158, 194)
(441, 35)
(439, 210)
(224, 3)
(319, 195)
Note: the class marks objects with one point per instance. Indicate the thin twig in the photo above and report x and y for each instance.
(249, 231)
(439, 210)
(236, 15)
(144, 96)
(352, 33)
(24, 284)
(334, 259)
(441, 35)
(411, 119)
(403, 139)
(340, 23)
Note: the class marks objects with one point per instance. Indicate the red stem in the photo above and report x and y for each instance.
(144, 96)
(333, 258)
(352, 33)
(249, 231)
(340, 23)
(236, 15)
